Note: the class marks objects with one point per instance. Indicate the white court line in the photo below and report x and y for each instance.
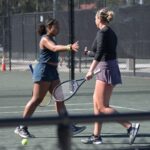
(75, 109)
(129, 108)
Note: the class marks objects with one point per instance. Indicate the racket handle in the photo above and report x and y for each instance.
(31, 68)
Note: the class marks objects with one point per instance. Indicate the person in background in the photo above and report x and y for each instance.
(105, 58)
(45, 75)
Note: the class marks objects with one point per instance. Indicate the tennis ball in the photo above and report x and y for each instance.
(24, 141)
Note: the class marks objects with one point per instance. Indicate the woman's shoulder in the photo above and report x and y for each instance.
(46, 37)
(105, 29)
(101, 32)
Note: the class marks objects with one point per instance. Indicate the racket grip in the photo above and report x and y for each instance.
(31, 68)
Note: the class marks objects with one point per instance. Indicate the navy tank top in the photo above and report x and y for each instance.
(47, 55)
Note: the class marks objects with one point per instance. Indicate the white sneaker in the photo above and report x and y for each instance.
(23, 132)
(132, 132)
(92, 140)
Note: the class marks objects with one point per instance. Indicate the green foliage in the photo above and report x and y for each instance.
(25, 6)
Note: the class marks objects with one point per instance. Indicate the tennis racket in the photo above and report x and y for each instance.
(47, 99)
(67, 89)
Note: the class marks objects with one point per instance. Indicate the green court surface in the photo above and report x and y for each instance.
(132, 96)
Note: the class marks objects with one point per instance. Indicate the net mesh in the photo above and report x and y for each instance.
(62, 138)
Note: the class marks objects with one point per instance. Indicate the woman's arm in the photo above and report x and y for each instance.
(100, 46)
(45, 42)
(90, 73)
(98, 53)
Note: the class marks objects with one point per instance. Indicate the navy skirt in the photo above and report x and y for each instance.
(109, 73)
(45, 72)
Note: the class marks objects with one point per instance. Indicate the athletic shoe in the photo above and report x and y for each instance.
(132, 132)
(23, 132)
(92, 140)
(76, 130)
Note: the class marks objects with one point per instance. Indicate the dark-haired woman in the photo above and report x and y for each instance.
(45, 76)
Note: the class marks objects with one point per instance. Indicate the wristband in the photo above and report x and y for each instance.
(68, 47)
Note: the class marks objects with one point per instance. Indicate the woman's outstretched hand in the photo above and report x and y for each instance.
(75, 46)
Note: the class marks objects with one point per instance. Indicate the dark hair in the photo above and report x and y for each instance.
(42, 27)
(50, 22)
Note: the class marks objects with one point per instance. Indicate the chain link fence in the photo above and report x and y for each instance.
(19, 39)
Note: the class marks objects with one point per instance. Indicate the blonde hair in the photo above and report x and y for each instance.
(105, 15)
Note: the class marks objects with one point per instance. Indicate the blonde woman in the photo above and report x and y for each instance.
(105, 58)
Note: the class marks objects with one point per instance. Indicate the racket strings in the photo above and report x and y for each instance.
(65, 90)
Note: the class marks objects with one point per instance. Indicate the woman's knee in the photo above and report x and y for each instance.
(61, 103)
(102, 110)
(107, 110)
(99, 107)
(97, 103)
(60, 106)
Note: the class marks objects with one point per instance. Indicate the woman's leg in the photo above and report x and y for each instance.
(99, 102)
(60, 106)
(39, 91)
(102, 96)
(61, 109)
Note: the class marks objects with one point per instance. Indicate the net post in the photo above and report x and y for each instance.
(71, 36)
(64, 133)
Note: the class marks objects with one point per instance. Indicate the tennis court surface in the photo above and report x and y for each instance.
(132, 96)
